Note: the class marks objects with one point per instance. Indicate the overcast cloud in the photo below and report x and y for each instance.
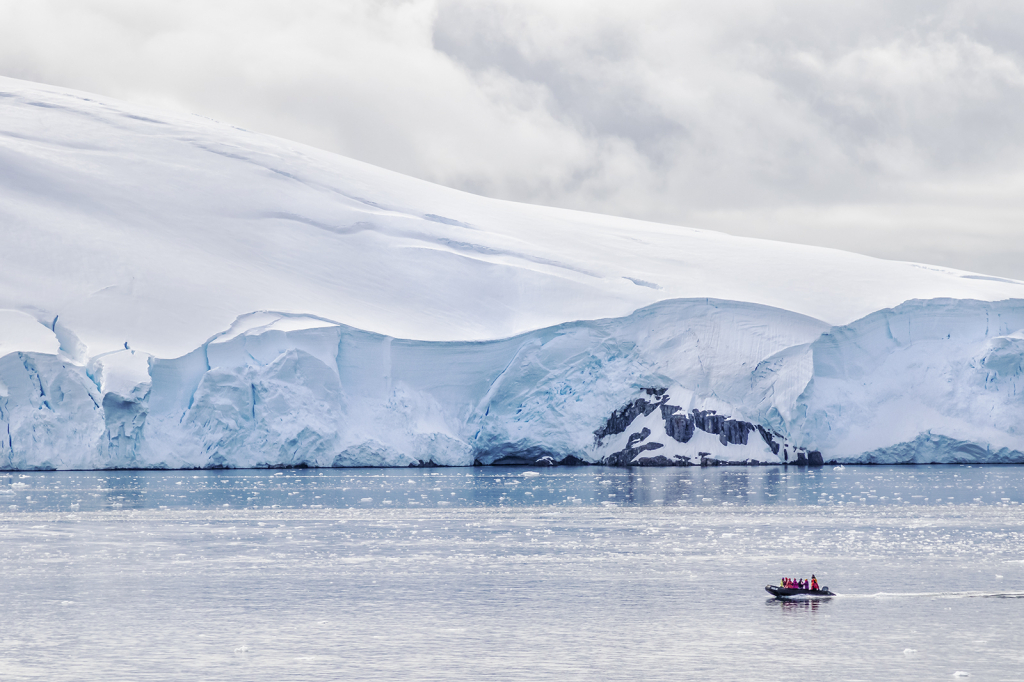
(891, 129)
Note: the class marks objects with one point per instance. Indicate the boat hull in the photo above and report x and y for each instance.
(789, 592)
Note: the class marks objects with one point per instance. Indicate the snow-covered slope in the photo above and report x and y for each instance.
(178, 292)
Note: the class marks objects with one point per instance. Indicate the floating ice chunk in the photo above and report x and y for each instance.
(530, 474)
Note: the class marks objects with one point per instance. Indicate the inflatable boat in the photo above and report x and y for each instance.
(790, 592)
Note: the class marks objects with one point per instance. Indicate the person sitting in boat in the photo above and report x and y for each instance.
(814, 583)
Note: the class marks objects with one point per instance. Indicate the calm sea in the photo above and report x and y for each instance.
(584, 573)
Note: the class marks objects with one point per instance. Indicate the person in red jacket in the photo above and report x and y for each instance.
(814, 583)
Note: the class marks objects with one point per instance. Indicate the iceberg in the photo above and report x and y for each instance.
(179, 293)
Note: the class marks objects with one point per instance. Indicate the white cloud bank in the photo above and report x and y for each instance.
(892, 129)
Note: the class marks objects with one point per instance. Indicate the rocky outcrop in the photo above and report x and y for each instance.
(756, 444)
(620, 420)
(681, 427)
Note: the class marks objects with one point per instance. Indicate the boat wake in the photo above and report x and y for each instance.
(938, 595)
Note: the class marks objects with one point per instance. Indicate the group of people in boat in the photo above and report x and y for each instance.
(801, 583)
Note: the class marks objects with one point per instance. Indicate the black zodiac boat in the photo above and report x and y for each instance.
(790, 592)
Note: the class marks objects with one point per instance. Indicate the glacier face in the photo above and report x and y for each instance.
(926, 381)
(175, 292)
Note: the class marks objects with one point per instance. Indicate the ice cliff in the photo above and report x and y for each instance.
(175, 292)
(677, 383)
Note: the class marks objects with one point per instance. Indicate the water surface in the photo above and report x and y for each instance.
(577, 573)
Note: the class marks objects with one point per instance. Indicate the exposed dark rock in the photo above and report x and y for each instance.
(735, 432)
(625, 457)
(660, 461)
(624, 416)
(768, 437)
(637, 437)
(668, 410)
(680, 427)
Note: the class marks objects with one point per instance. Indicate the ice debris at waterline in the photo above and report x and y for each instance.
(142, 254)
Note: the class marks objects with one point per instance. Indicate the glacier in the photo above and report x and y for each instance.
(179, 293)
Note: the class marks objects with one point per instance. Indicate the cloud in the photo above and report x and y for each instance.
(891, 129)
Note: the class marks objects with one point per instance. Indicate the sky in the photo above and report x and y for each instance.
(893, 129)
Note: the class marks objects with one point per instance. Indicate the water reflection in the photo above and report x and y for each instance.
(795, 606)
(513, 487)
(122, 490)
